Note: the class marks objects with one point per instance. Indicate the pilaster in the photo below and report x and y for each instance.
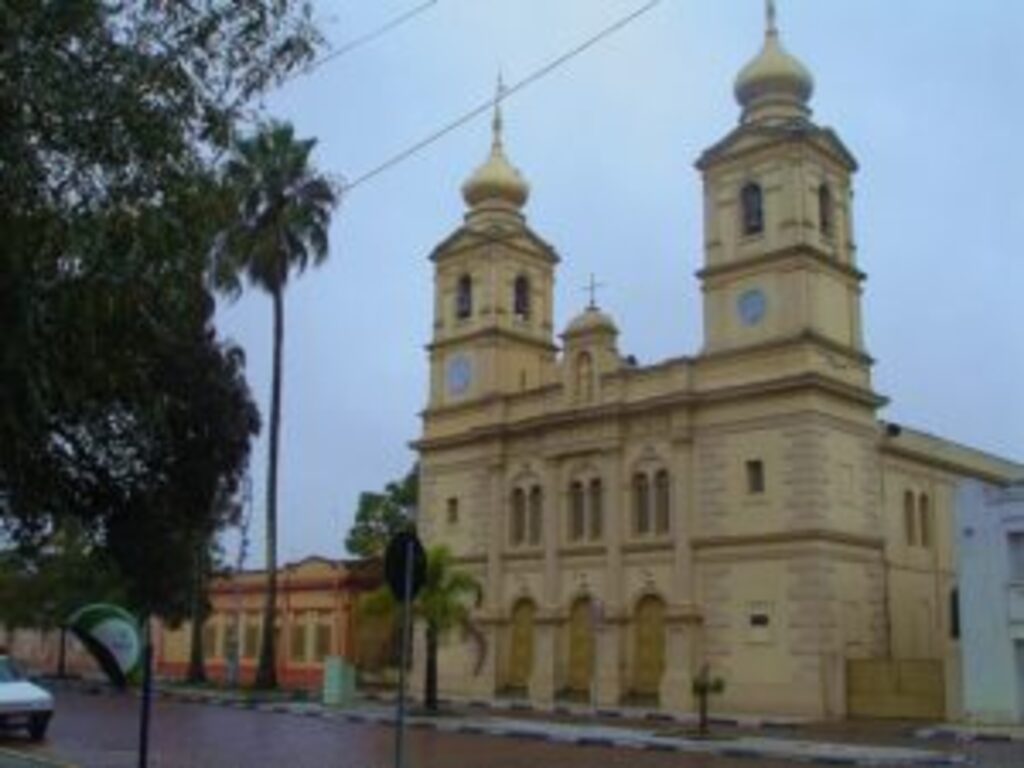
(608, 680)
(676, 692)
(542, 678)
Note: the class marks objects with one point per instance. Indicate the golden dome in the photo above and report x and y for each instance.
(497, 178)
(774, 83)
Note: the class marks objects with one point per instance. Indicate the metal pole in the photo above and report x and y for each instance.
(62, 663)
(147, 684)
(406, 636)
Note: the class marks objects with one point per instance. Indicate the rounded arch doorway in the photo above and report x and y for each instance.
(648, 646)
(520, 651)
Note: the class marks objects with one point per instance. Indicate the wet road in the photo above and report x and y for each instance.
(102, 732)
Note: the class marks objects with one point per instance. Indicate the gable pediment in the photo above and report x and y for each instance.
(746, 139)
(520, 238)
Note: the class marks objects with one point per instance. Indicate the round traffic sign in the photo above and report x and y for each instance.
(405, 566)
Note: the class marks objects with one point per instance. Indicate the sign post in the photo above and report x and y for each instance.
(114, 639)
(147, 693)
(405, 568)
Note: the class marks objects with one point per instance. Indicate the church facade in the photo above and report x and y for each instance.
(742, 510)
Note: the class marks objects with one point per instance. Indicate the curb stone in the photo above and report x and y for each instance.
(636, 740)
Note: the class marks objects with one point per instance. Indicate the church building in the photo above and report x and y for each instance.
(742, 509)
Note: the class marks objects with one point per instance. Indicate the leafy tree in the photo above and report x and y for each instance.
(380, 516)
(283, 214)
(443, 604)
(42, 592)
(120, 410)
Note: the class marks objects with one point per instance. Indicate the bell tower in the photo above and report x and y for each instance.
(780, 256)
(493, 291)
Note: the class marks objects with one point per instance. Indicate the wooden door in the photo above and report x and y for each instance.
(520, 660)
(649, 653)
(581, 647)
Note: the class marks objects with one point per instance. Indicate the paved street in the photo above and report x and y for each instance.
(101, 732)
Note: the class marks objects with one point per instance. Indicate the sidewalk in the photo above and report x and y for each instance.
(639, 734)
(967, 732)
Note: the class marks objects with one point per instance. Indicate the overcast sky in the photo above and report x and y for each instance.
(928, 94)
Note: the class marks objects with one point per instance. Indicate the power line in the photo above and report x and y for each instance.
(362, 40)
(487, 105)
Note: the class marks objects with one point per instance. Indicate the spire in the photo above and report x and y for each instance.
(496, 182)
(497, 123)
(774, 86)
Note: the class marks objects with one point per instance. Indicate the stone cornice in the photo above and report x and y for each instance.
(805, 251)
(553, 420)
(804, 337)
(891, 447)
(798, 131)
(505, 237)
(583, 550)
(662, 544)
(804, 535)
(525, 554)
(491, 331)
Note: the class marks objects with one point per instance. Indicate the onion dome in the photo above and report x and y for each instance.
(590, 320)
(497, 180)
(774, 85)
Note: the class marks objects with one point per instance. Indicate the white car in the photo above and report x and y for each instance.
(21, 702)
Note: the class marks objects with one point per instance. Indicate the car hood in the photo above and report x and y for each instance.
(24, 693)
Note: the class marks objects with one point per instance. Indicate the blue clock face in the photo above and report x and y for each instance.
(459, 374)
(751, 306)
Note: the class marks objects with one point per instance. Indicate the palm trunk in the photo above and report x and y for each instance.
(430, 681)
(196, 664)
(266, 673)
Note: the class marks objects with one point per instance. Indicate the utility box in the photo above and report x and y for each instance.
(339, 682)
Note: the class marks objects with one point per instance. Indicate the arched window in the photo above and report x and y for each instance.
(925, 523)
(752, 204)
(661, 502)
(518, 517)
(596, 509)
(521, 297)
(908, 518)
(641, 504)
(576, 511)
(584, 377)
(825, 209)
(464, 297)
(536, 514)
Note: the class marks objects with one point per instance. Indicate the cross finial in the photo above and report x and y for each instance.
(591, 288)
(770, 22)
(496, 121)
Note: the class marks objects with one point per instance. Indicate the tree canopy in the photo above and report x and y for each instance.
(120, 409)
(379, 516)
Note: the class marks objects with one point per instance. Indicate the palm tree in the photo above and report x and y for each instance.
(443, 604)
(283, 213)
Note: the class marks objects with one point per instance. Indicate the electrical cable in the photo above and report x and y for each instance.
(358, 42)
(487, 105)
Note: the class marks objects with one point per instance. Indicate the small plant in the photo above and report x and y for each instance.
(703, 687)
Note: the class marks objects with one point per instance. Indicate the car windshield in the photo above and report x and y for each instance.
(9, 672)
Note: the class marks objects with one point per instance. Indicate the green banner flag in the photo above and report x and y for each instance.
(112, 636)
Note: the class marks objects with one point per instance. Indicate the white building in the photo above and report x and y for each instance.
(991, 566)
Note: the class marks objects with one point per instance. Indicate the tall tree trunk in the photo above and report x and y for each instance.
(196, 662)
(430, 681)
(266, 673)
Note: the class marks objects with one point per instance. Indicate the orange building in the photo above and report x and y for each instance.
(316, 618)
